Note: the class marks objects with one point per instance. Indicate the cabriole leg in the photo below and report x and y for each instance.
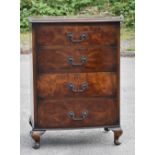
(117, 133)
(36, 135)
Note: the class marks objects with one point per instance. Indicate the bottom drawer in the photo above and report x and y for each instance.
(72, 113)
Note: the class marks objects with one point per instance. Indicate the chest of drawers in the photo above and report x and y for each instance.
(75, 74)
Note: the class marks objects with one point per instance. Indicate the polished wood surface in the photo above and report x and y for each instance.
(52, 60)
(56, 85)
(76, 74)
(54, 113)
(54, 73)
(56, 34)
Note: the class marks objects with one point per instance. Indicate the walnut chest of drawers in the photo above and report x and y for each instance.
(76, 74)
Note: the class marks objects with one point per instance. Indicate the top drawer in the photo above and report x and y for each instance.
(77, 34)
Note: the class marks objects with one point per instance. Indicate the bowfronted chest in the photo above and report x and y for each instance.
(76, 73)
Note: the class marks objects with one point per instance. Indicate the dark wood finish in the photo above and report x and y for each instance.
(56, 35)
(56, 85)
(56, 59)
(76, 74)
(54, 113)
(34, 75)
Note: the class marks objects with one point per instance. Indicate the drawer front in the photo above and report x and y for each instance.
(77, 113)
(76, 85)
(76, 60)
(73, 34)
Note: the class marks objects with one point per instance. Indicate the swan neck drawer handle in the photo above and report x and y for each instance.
(83, 116)
(83, 87)
(83, 61)
(83, 37)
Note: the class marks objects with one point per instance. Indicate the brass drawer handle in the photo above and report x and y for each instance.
(83, 61)
(83, 37)
(83, 116)
(82, 88)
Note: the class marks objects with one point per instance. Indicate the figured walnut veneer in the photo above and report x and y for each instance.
(75, 74)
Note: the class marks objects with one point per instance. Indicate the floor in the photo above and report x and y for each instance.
(82, 142)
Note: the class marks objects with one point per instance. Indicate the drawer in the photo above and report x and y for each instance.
(71, 59)
(76, 85)
(73, 34)
(72, 113)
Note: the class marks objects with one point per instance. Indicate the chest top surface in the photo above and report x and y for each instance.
(74, 19)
